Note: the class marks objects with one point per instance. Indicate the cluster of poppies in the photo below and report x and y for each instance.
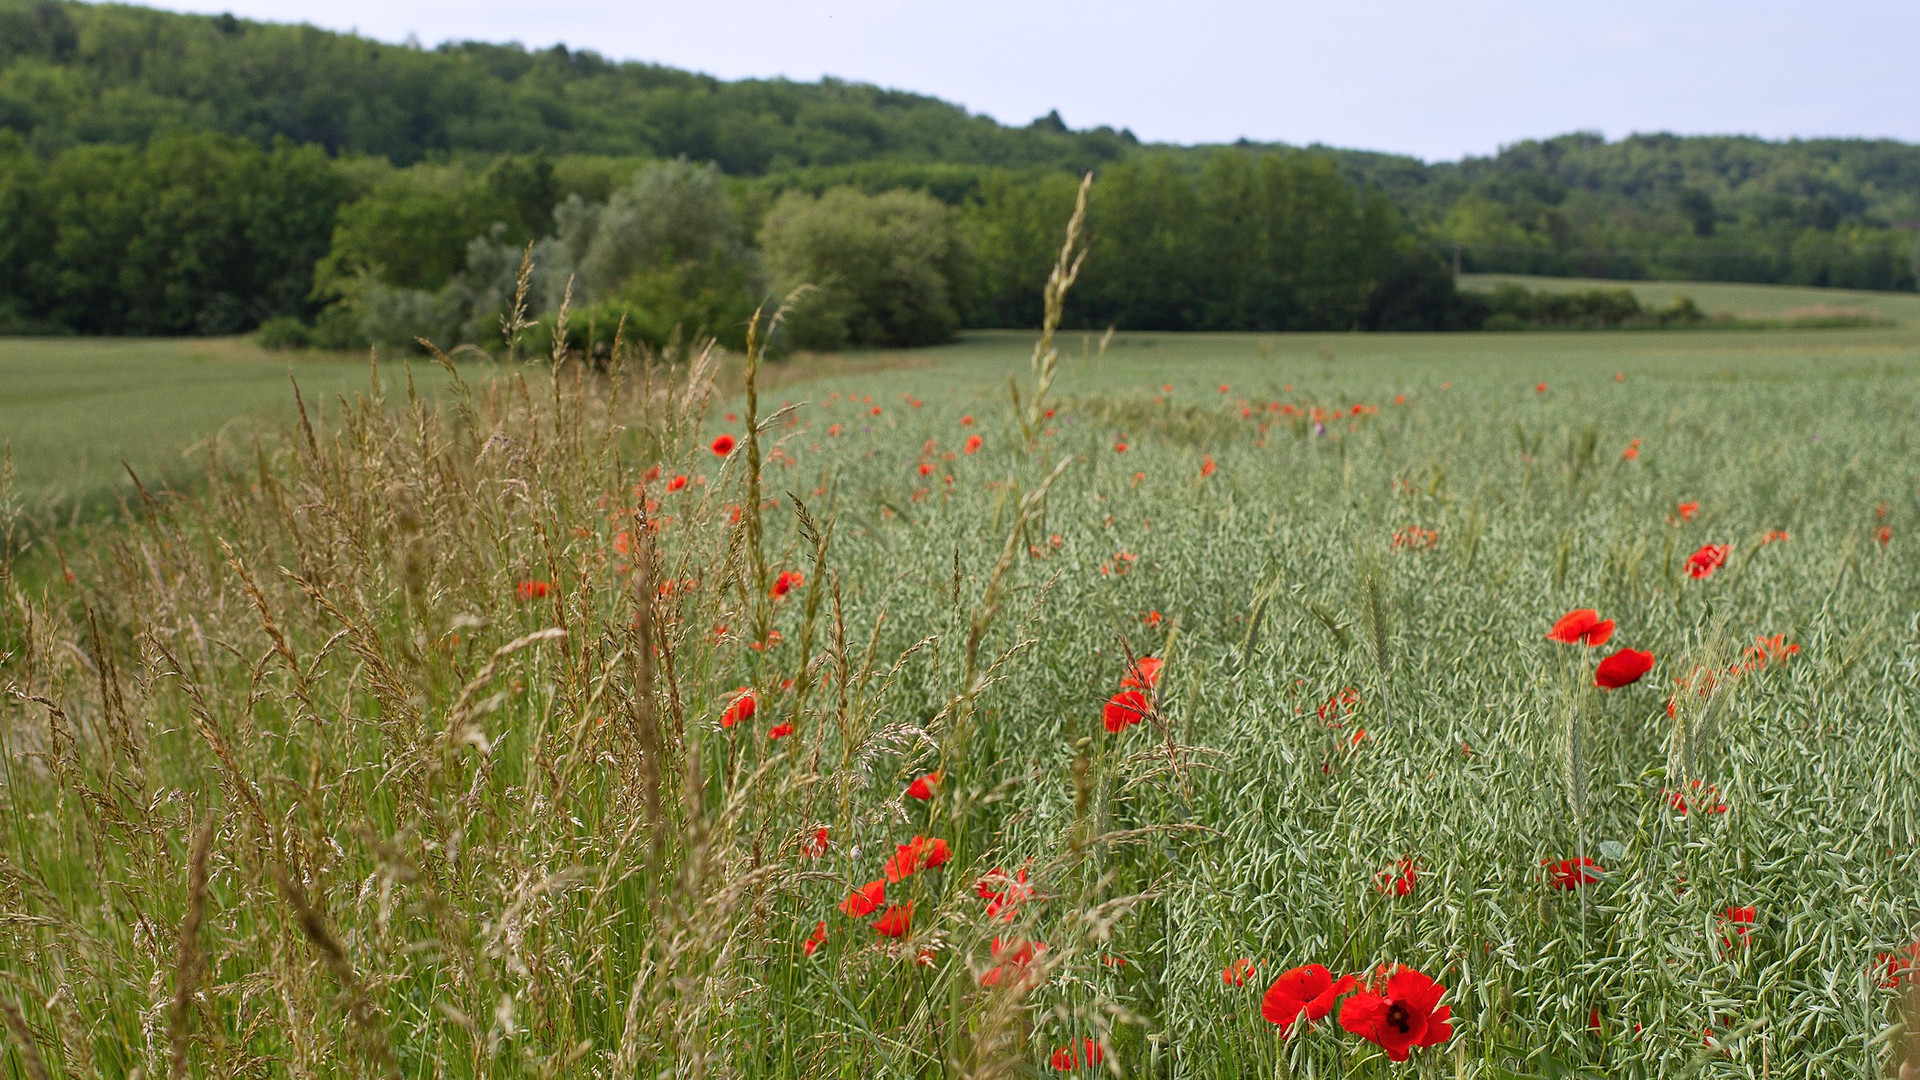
(1135, 699)
(1397, 1010)
(1584, 626)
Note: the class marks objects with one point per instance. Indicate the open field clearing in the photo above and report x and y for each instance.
(1720, 297)
(578, 727)
(74, 408)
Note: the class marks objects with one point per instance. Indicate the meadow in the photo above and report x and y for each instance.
(947, 714)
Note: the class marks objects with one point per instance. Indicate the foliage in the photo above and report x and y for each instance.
(193, 234)
(884, 267)
(73, 73)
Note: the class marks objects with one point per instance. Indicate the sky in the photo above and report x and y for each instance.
(1435, 80)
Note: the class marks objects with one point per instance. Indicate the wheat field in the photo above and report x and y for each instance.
(563, 724)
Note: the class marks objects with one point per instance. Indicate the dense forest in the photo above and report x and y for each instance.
(164, 173)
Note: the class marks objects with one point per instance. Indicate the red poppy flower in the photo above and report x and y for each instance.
(895, 921)
(923, 788)
(780, 731)
(1238, 972)
(531, 590)
(741, 708)
(1004, 894)
(1623, 668)
(1572, 873)
(1409, 1014)
(1206, 465)
(1631, 452)
(1398, 879)
(916, 855)
(1152, 618)
(1144, 673)
(1309, 989)
(1688, 509)
(676, 483)
(817, 845)
(1065, 1059)
(1014, 963)
(966, 421)
(1901, 965)
(1581, 627)
(1736, 926)
(1883, 535)
(865, 900)
(1710, 557)
(818, 939)
(1702, 797)
(974, 442)
(1329, 710)
(788, 581)
(723, 446)
(1123, 709)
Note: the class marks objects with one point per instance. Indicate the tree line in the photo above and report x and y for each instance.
(164, 173)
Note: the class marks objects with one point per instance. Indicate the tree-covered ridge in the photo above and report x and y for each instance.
(75, 73)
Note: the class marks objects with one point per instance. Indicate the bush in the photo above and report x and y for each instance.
(284, 332)
(884, 267)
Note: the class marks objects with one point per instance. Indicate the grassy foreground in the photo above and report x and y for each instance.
(414, 745)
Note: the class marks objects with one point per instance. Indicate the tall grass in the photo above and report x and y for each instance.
(300, 780)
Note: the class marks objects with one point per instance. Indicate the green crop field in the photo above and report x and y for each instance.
(422, 748)
(73, 409)
(1728, 298)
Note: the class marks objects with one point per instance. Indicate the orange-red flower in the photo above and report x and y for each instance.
(531, 590)
(973, 444)
(1124, 709)
(676, 483)
(1774, 536)
(1238, 972)
(895, 921)
(1407, 1015)
(1687, 510)
(1398, 879)
(1901, 965)
(1065, 1059)
(865, 900)
(741, 708)
(1710, 557)
(1622, 669)
(818, 938)
(916, 855)
(816, 846)
(1701, 796)
(1014, 963)
(788, 581)
(1736, 926)
(780, 731)
(1883, 535)
(1206, 465)
(1572, 873)
(1583, 626)
(1003, 893)
(924, 787)
(1309, 989)
(723, 446)
(1143, 675)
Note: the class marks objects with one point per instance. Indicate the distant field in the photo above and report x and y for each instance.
(1716, 297)
(74, 408)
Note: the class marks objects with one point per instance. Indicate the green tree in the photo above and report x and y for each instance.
(884, 267)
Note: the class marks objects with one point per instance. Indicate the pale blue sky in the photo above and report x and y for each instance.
(1432, 79)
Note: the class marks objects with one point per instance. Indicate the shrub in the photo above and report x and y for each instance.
(284, 332)
(883, 267)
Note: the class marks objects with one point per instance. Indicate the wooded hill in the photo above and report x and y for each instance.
(165, 173)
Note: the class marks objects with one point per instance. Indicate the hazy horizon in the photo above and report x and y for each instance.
(1394, 76)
